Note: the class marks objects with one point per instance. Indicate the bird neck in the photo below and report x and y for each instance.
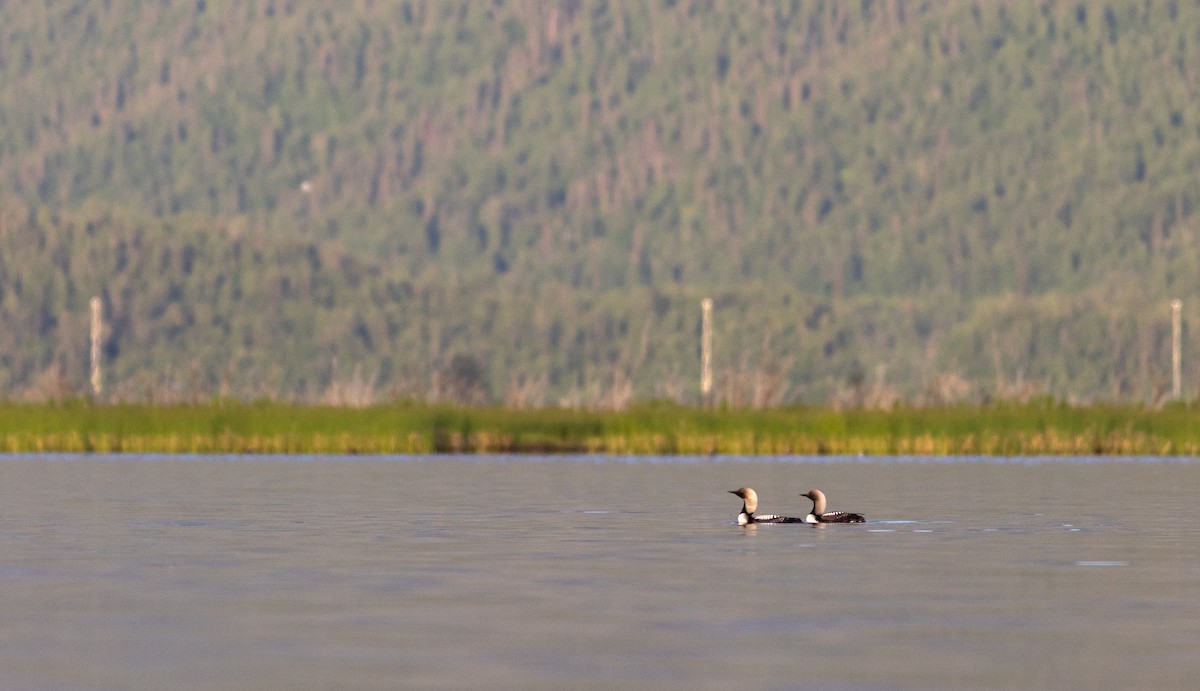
(818, 505)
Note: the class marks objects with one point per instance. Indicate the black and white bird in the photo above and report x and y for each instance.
(820, 515)
(750, 505)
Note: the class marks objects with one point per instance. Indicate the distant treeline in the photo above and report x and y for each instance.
(1039, 428)
(523, 203)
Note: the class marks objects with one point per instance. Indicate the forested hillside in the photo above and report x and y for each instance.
(524, 202)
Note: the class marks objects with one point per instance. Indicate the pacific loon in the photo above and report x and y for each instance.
(819, 515)
(750, 505)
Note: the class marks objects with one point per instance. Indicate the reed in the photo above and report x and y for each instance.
(1039, 428)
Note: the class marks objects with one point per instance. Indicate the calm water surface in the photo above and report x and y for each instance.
(151, 572)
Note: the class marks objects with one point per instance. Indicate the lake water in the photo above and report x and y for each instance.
(153, 572)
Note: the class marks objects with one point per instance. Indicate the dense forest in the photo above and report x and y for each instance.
(522, 202)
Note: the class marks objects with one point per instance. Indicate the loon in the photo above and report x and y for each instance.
(750, 505)
(819, 515)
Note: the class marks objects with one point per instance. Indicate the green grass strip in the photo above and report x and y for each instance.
(1039, 428)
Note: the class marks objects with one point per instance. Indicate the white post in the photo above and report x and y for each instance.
(706, 348)
(96, 325)
(1176, 346)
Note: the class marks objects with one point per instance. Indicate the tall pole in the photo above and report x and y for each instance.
(96, 381)
(1176, 346)
(706, 348)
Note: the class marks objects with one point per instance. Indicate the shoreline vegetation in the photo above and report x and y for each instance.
(225, 427)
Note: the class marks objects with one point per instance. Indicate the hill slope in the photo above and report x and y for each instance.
(526, 201)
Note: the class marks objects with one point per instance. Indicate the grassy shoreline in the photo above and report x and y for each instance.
(1040, 428)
